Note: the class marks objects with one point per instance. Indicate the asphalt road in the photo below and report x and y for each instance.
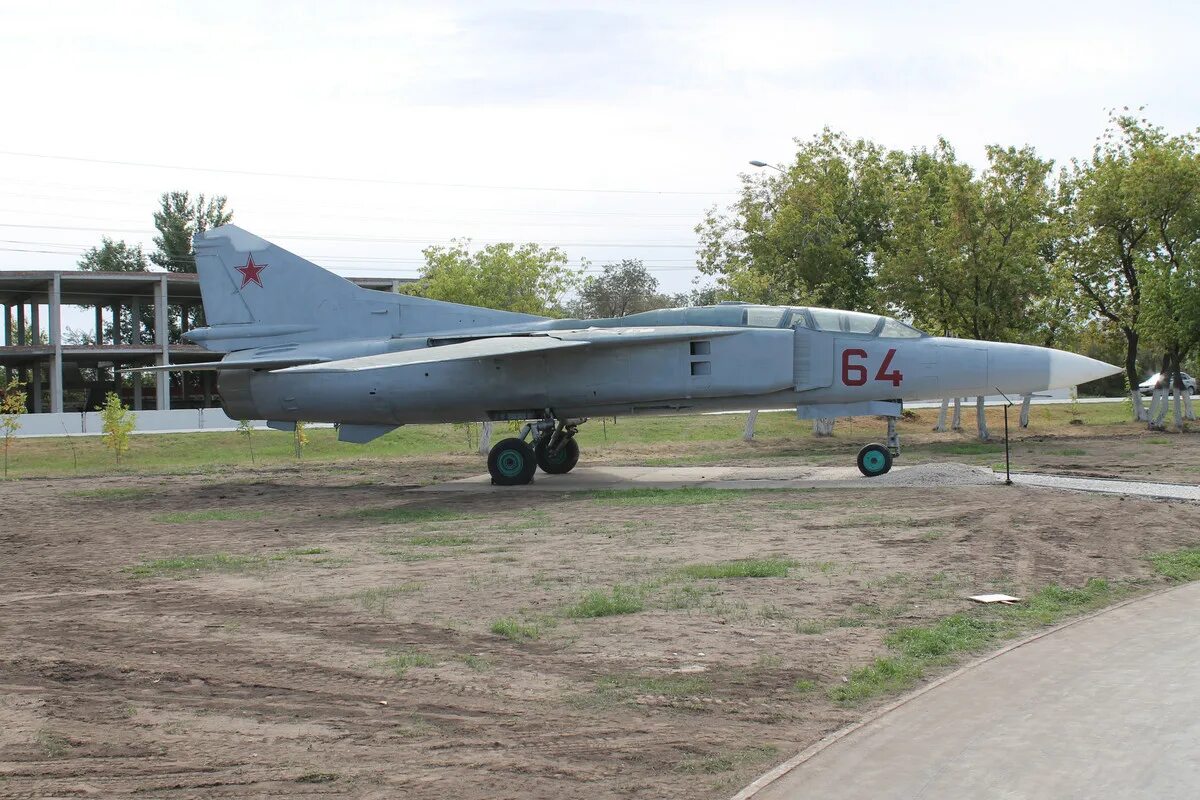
(1108, 707)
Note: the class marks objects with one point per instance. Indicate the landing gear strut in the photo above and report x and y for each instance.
(512, 462)
(876, 459)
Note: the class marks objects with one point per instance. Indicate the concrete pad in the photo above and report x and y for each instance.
(1172, 491)
(721, 477)
(1107, 707)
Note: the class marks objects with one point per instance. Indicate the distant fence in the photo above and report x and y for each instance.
(188, 420)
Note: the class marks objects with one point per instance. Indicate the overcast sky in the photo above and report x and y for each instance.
(604, 128)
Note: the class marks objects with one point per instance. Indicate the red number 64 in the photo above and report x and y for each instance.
(854, 374)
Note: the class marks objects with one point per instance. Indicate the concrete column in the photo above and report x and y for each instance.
(35, 327)
(136, 377)
(7, 325)
(183, 317)
(56, 366)
(161, 332)
(21, 324)
(116, 309)
(135, 313)
(99, 324)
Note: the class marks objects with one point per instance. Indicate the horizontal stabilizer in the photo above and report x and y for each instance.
(497, 347)
(233, 363)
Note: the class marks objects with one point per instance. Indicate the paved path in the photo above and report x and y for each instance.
(1106, 708)
(1175, 491)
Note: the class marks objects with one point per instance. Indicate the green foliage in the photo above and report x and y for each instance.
(12, 406)
(621, 289)
(300, 438)
(515, 631)
(808, 235)
(119, 422)
(622, 600)
(406, 514)
(246, 430)
(400, 663)
(526, 278)
(742, 568)
(213, 515)
(114, 256)
(1180, 565)
(177, 220)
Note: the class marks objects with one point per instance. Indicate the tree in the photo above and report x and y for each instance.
(114, 256)
(809, 235)
(300, 437)
(1165, 182)
(246, 429)
(526, 278)
(621, 289)
(12, 406)
(1108, 237)
(178, 219)
(968, 255)
(118, 423)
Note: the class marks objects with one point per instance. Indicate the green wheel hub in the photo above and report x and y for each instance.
(874, 461)
(510, 463)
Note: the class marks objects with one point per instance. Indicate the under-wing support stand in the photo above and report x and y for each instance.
(874, 459)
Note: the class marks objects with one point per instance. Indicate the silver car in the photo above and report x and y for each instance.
(1146, 387)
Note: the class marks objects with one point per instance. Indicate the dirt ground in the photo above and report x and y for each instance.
(325, 632)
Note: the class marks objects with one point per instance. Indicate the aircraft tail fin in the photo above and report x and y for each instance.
(257, 294)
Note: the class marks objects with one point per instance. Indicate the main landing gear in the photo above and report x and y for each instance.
(876, 459)
(512, 462)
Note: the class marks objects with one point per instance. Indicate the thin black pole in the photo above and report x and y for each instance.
(1007, 462)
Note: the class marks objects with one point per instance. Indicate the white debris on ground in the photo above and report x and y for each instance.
(936, 475)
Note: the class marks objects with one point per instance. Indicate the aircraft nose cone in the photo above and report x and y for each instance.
(1070, 369)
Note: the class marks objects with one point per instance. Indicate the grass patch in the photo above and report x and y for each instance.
(441, 541)
(317, 777)
(214, 562)
(477, 663)
(622, 600)
(515, 631)
(399, 515)
(400, 663)
(53, 744)
(1179, 565)
(966, 448)
(684, 496)
(726, 762)
(944, 642)
(218, 562)
(377, 598)
(113, 493)
(212, 515)
(804, 686)
(741, 568)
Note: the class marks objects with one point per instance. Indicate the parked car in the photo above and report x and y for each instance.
(1146, 387)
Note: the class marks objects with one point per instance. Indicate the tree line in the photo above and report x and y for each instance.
(1101, 255)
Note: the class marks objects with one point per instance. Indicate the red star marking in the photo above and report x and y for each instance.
(250, 273)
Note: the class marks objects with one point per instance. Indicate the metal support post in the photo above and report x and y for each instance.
(893, 438)
(162, 400)
(56, 367)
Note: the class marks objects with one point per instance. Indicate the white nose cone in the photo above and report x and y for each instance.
(1069, 369)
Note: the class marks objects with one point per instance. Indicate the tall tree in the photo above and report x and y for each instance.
(114, 256)
(1166, 194)
(808, 235)
(526, 278)
(621, 289)
(178, 219)
(1109, 238)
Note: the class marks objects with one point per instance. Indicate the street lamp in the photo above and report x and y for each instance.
(768, 166)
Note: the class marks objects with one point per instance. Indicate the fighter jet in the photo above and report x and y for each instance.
(300, 343)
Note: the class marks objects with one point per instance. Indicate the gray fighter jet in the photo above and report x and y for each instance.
(301, 343)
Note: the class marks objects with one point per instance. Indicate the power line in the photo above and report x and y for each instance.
(338, 179)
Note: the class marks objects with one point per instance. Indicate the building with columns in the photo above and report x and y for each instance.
(71, 371)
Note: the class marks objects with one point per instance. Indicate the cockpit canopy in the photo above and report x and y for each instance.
(732, 315)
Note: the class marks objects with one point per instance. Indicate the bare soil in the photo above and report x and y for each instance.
(341, 655)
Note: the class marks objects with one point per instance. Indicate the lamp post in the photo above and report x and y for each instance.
(768, 166)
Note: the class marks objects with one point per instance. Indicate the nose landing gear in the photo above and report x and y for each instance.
(875, 459)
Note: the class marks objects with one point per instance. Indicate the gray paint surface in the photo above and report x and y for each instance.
(1109, 707)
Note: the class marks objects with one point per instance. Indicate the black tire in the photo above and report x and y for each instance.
(511, 463)
(874, 460)
(561, 462)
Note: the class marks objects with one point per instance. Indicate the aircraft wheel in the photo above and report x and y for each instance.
(511, 463)
(559, 463)
(873, 460)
